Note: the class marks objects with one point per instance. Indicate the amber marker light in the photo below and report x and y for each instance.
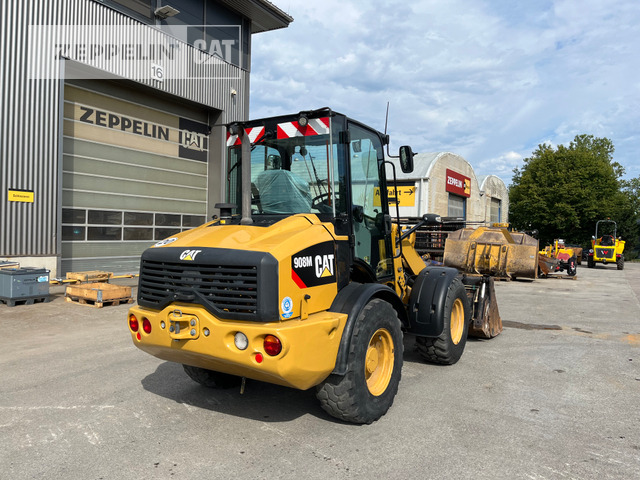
(133, 323)
(272, 345)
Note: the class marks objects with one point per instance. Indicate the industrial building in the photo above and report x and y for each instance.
(113, 114)
(446, 184)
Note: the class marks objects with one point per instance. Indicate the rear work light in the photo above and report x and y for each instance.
(146, 325)
(133, 323)
(272, 345)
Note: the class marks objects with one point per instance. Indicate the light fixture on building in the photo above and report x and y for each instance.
(482, 193)
(165, 12)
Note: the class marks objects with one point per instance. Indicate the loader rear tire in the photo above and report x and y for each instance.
(366, 391)
(620, 262)
(448, 347)
(211, 379)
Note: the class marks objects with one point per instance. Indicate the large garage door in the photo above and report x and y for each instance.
(134, 172)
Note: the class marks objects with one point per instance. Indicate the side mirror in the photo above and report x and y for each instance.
(406, 159)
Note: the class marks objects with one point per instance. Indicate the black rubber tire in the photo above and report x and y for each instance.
(211, 379)
(620, 262)
(347, 397)
(442, 350)
(590, 262)
(571, 267)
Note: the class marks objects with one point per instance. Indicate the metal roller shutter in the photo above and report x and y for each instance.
(134, 172)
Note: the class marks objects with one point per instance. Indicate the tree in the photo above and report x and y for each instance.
(563, 192)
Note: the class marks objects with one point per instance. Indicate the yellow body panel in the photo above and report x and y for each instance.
(302, 231)
(309, 347)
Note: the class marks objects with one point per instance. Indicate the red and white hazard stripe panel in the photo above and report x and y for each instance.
(316, 126)
(253, 133)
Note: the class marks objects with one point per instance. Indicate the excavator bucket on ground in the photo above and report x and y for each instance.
(485, 317)
(492, 251)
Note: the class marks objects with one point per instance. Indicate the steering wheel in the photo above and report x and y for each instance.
(321, 202)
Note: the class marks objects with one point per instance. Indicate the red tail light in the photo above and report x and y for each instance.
(133, 323)
(272, 345)
(146, 325)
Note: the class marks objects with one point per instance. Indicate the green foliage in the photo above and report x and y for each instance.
(563, 192)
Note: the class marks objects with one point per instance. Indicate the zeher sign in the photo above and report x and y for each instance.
(458, 184)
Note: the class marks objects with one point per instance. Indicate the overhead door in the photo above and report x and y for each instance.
(134, 172)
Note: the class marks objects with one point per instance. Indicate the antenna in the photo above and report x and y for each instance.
(386, 119)
(386, 137)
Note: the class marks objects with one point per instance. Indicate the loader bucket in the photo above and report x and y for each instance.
(492, 251)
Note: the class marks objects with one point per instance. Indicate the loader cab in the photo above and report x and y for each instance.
(324, 164)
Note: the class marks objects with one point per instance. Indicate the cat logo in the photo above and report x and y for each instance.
(467, 186)
(324, 266)
(314, 266)
(189, 255)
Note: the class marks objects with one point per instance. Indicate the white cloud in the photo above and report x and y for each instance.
(481, 79)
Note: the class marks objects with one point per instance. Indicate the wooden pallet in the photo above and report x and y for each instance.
(90, 276)
(94, 303)
(12, 302)
(559, 275)
(98, 294)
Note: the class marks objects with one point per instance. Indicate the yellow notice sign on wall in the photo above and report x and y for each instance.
(20, 196)
(405, 194)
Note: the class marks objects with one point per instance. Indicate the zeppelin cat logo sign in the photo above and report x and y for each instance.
(458, 183)
(314, 266)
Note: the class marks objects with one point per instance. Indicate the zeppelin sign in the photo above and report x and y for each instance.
(458, 183)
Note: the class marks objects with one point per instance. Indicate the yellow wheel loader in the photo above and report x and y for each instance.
(306, 279)
(606, 248)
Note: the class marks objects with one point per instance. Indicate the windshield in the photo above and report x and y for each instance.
(293, 169)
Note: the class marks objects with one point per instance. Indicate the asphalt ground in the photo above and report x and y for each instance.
(555, 396)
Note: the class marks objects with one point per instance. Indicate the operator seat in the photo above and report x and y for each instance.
(607, 241)
(282, 192)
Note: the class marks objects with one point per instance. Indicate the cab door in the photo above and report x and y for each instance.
(368, 210)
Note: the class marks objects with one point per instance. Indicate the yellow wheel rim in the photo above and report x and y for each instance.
(457, 321)
(378, 365)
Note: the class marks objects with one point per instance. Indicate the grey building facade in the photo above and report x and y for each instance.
(113, 115)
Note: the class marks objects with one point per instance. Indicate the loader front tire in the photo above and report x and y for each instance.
(620, 262)
(448, 347)
(211, 379)
(374, 364)
(571, 267)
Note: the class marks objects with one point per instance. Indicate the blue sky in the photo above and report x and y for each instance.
(488, 80)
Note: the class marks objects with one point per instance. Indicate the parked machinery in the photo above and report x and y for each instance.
(557, 258)
(606, 247)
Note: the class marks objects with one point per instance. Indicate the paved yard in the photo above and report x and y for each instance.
(555, 396)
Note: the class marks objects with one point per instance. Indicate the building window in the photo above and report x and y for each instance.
(457, 206)
(134, 8)
(496, 210)
(80, 225)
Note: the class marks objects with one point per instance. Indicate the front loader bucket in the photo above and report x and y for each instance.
(485, 316)
(492, 251)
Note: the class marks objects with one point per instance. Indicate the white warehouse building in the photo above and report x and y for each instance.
(446, 184)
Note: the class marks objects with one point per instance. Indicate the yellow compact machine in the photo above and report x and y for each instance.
(306, 279)
(557, 258)
(606, 248)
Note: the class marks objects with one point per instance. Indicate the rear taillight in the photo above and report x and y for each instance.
(146, 325)
(272, 345)
(133, 323)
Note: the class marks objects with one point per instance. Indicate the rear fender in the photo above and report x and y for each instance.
(351, 300)
(427, 301)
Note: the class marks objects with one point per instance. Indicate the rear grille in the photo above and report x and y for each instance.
(228, 288)
(227, 284)
(606, 252)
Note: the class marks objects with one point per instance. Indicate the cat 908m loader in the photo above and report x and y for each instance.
(305, 279)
